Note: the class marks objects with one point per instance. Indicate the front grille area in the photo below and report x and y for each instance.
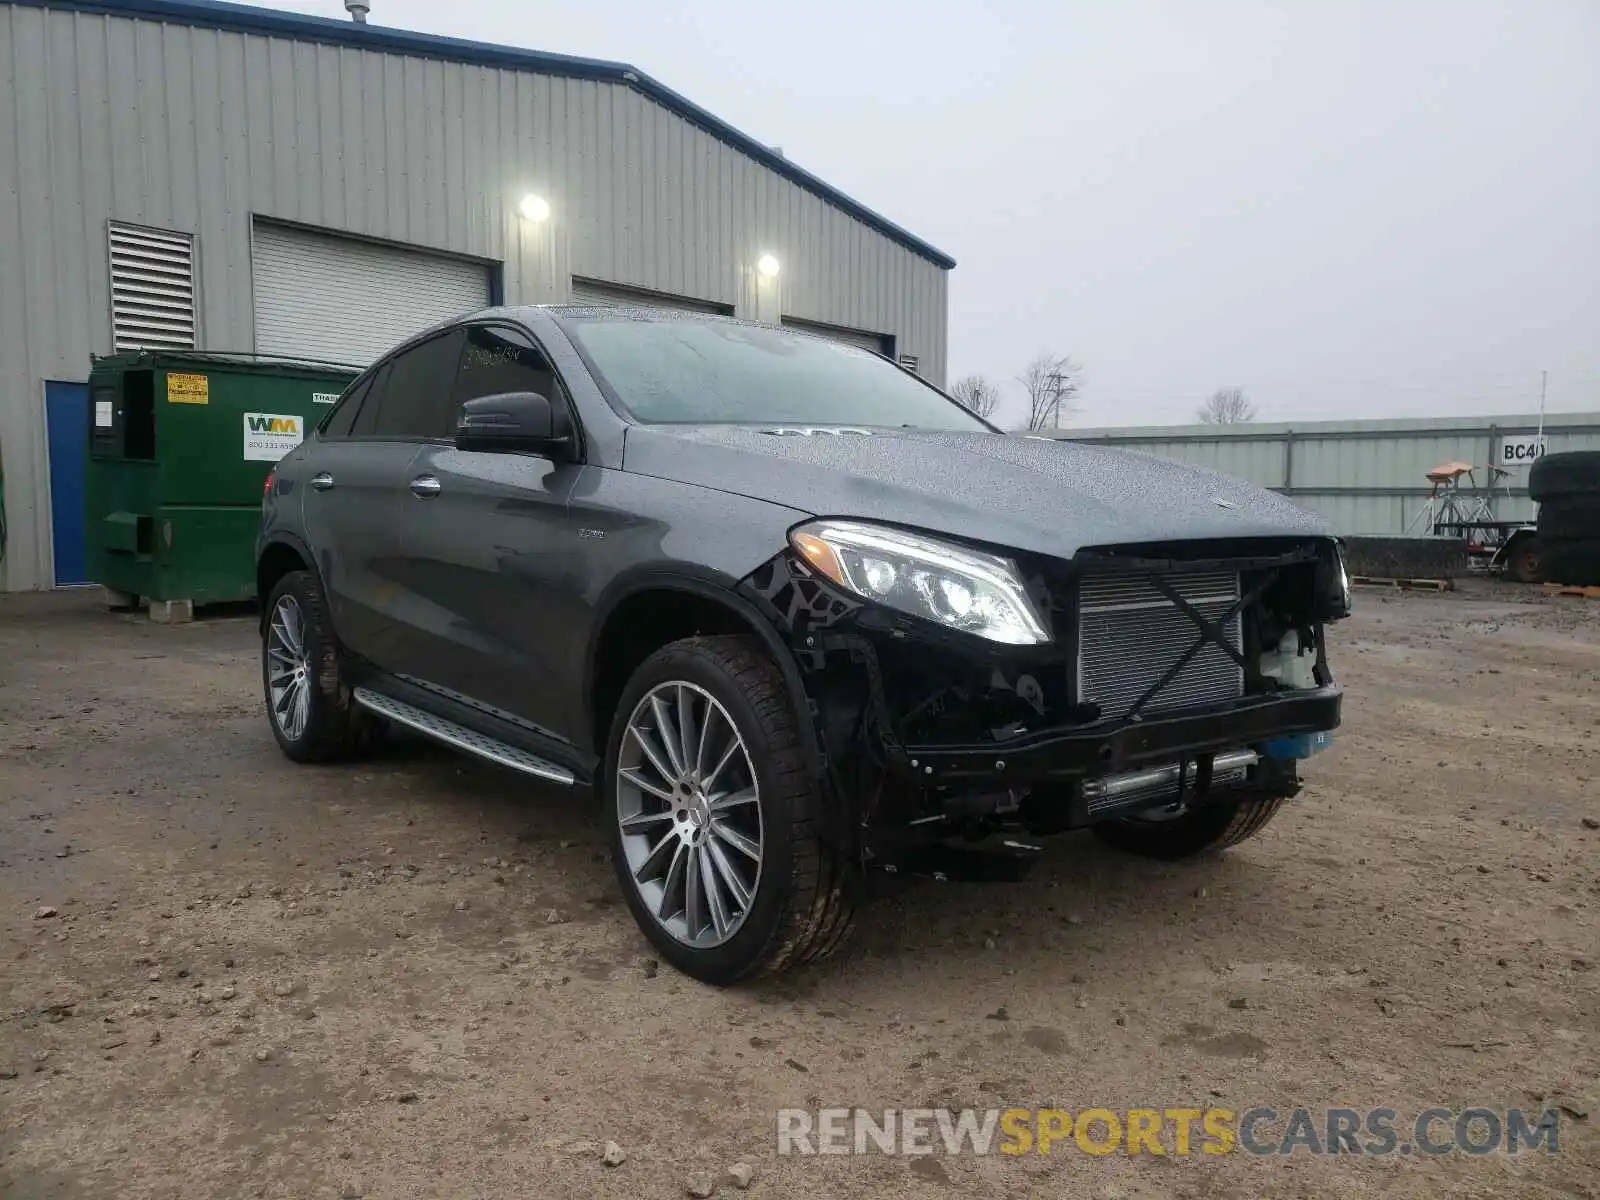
(1130, 635)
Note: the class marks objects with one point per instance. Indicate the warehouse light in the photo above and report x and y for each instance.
(769, 265)
(534, 208)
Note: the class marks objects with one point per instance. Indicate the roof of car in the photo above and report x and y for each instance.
(216, 14)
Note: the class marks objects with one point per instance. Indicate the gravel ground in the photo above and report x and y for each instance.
(225, 975)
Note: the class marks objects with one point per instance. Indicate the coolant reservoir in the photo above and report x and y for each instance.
(1290, 664)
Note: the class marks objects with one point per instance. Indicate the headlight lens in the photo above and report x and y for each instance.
(964, 589)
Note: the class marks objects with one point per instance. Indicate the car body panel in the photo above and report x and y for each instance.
(1040, 495)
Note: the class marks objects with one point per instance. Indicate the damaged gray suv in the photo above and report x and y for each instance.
(795, 617)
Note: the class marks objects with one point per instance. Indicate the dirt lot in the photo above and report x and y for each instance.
(414, 977)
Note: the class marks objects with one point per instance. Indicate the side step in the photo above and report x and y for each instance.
(461, 737)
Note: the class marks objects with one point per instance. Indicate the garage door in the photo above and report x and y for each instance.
(612, 295)
(341, 300)
(860, 338)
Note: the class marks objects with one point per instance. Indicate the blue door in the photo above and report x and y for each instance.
(66, 408)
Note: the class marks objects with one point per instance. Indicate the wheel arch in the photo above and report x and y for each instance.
(655, 608)
(280, 554)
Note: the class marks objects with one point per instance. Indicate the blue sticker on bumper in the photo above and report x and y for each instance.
(1297, 745)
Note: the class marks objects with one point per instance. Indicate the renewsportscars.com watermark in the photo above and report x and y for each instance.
(1166, 1131)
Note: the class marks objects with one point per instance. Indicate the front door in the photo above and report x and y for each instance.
(489, 553)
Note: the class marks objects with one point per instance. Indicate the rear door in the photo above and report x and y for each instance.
(490, 556)
(355, 492)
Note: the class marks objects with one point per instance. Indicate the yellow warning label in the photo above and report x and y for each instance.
(188, 389)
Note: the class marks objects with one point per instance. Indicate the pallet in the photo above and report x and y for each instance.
(1572, 589)
(1404, 585)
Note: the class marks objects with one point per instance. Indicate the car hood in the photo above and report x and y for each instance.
(1034, 494)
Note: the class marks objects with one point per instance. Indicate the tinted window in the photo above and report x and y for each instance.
(339, 422)
(499, 359)
(366, 420)
(693, 371)
(414, 401)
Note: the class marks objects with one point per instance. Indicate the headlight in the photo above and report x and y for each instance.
(964, 589)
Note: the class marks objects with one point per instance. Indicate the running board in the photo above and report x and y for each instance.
(462, 738)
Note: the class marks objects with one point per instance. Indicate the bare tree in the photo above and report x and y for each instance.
(1051, 381)
(977, 394)
(1227, 406)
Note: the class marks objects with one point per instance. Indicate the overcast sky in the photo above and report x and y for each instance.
(1347, 208)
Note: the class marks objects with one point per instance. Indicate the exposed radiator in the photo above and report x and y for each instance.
(1130, 635)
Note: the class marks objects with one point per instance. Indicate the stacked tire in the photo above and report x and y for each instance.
(1567, 487)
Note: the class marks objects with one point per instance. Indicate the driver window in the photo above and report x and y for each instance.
(501, 359)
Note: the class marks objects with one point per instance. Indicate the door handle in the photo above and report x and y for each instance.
(322, 481)
(425, 487)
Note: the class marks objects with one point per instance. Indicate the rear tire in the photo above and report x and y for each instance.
(1212, 827)
(749, 832)
(309, 705)
(1525, 562)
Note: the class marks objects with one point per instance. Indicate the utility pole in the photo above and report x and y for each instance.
(1544, 380)
(1057, 385)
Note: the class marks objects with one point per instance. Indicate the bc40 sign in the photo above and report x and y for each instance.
(1520, 451)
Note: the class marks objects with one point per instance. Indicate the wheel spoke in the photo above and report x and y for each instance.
(700, 744)
(657, 859)
(686, 730)
(669, 736)
(693, 897)
(743, 843)
(290, 612)
(652, 754)
(636, 777)
(733, 799)
(714, 898)
(729, 876)
(640, 822)
(710, 780)
(673, 885)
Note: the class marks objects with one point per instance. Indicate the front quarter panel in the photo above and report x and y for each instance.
(634, 532)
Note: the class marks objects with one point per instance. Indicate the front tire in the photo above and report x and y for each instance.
(1205, 830)
(309, 706)
(715, 816)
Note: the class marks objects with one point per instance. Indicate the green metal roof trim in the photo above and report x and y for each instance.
(241, 18)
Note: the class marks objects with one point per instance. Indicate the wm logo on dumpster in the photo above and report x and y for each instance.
(261, 423)
(269, 436)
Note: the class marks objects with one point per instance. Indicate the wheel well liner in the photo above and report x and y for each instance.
(663, 610)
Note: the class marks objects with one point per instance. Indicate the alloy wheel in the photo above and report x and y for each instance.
(689, 810)
(288, 677)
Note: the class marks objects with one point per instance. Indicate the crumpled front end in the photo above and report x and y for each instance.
(1173, 673)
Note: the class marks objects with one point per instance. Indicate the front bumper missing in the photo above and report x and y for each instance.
(1083, 752)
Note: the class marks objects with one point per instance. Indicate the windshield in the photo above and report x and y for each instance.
(690, 372)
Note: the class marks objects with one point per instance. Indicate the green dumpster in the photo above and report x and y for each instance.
(180, 444)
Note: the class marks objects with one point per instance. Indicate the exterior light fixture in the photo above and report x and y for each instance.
(534, 208)
(769, 266)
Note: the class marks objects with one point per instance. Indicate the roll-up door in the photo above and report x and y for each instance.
(860, 338)
(611, 295)
(337, 299)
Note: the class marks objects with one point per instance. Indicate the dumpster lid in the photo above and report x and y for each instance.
(221, 358)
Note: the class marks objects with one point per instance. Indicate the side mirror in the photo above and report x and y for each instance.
(513, 421)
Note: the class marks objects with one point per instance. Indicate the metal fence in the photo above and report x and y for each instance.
(1366, 477)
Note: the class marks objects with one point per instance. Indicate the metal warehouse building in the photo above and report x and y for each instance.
(182, 173)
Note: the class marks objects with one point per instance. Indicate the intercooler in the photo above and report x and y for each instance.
(1130, 635)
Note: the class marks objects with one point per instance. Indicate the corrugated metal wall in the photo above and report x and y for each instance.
(1363, 476)
(199, 130)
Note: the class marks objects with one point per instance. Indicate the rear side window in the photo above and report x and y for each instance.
(413, 401)
(362, 422)
(343, 417)
(500, 359)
